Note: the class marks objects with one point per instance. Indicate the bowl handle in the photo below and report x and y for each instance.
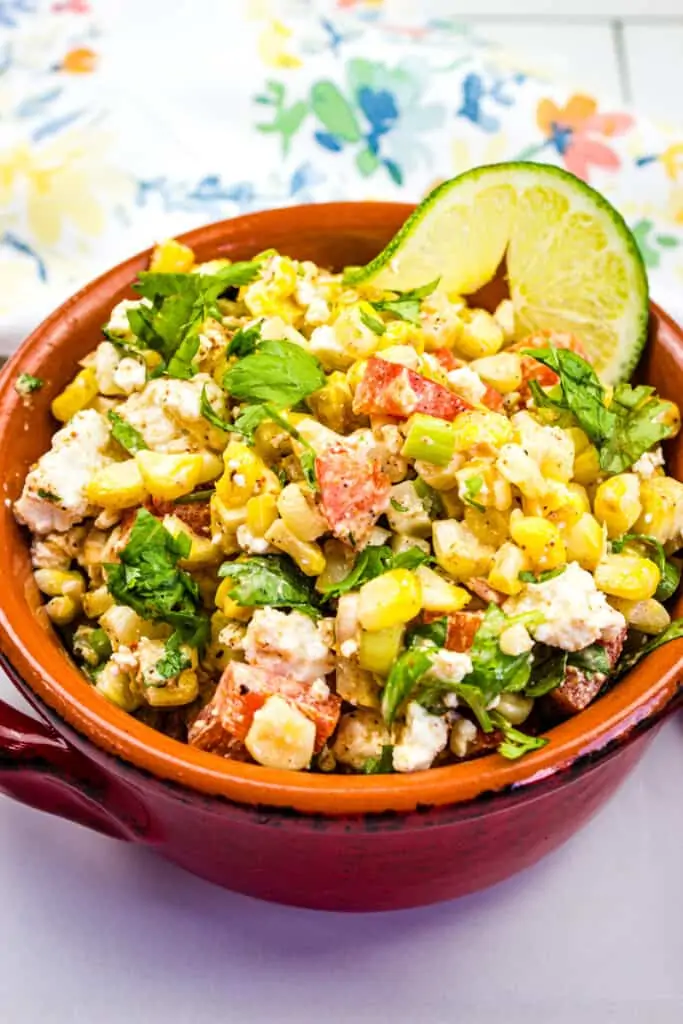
(40, 769)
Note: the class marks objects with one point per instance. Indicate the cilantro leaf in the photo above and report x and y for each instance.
(592, 660)
(493, 671)
(372, 561)
(434, 633)
(181, 364)
(253, 415)
(406, 305)
(190, 499)
(515, 743)
(473, 485)
(122, 432)
(405, 674)
(307, 462)
(174, 660)
(635, 420)
(670, 574)
(542, 577)
(642, 419)
(381, 765)
(210, 414)
(48, 495)
(582, 393)
(547, 673)
(270, 580)
(245, 340)
(26, 383)
(148, 580)
(631, 657)
(372, 323)
(278, 371)
(397, 505)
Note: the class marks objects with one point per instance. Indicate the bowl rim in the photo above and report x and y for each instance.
(642, 694)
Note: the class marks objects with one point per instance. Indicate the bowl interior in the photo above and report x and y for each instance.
(333, 235)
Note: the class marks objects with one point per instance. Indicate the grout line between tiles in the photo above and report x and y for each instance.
(621, 54)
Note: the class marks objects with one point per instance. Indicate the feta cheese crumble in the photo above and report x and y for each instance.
(291, 644)
(422, 738)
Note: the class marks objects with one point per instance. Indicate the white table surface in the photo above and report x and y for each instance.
(103, 932)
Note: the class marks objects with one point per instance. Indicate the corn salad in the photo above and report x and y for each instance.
(334, 529)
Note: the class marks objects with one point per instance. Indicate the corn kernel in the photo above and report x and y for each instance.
(332, 403)
(587, 466)
(577, 502)
(378, 650)
(176, 692)
(504, 315)
(390, 599)
(245, 475)
(308, 556)
(489, 526)
(662, 500)
(441, 478)
(169, 476)
(584, 541)
(648, 616)
(515, 707)
(299, 514)
(508, 562)
(261, 513)
(116, 486)
(580, 438)
(62, 610)
(225, 522)
(203, 551)
(230, 608)
(122, 625)
(281, 736)
(617, 503)
(76, 395)
(171, 257)
(459, 551)
(355, 373)
(115, 686)
(97, 602)
(627, 576)
(438, 595)
(58, 582)
(502, 371)
(338, 563)
(539, 539)
(476, 427)
(479, 335)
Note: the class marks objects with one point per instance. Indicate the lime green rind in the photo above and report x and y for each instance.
(633, 330)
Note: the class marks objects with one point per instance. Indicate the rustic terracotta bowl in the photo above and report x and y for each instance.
(339, 843)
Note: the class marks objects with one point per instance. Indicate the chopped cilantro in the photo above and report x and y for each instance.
(270, 581)
(48, 495)
(473, 485)
(381, 765)
(515, 743)
(174, 660)
(372, 323)
(26, 383)
(278, 372)
(210, 414)
(373, 561)
(541, 577)
(128, 437)
(406, 305)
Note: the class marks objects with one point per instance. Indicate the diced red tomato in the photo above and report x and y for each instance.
(389, 389)
(354, 492)
(242, 690)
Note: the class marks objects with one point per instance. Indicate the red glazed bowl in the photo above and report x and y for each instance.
(336, 843)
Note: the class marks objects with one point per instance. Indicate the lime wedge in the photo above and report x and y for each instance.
(572, 263)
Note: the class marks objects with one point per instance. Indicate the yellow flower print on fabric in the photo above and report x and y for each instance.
(273, 46)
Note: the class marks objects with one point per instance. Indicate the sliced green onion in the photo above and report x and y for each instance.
(429, 439)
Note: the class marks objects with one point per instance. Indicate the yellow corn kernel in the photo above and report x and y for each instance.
(508, 562)
(539, 539)
(648, 616)
(617, 503)
(58, 582)
(115, 686)
(212, 467)
(271, 440)
(97, 602)
(308, 556)
(281, 736)
(477, 427)
(662, 501)
(494, 490)
(515, 707)
(378, 650)
(244, 475)
(587, 466)
(118, 485)
(504, 315)
(584, 541)
(177, 692)
(299, 514)
(399, 332)
(261, 513)
(490, 526)
(75, 396)
(479, 335)
(438, 595)
(355, 373)
(452, 503)
(169, 476)
(171, 257)
(393, 598)
(577, 502)
(230, 608)
(580, 438)
(225, 522)
(332, 404)
(122, 625)
(627, 576)
(502, 371)
(62, 610)
(459, 551)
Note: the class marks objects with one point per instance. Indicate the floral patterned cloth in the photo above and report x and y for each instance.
(122, 123)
